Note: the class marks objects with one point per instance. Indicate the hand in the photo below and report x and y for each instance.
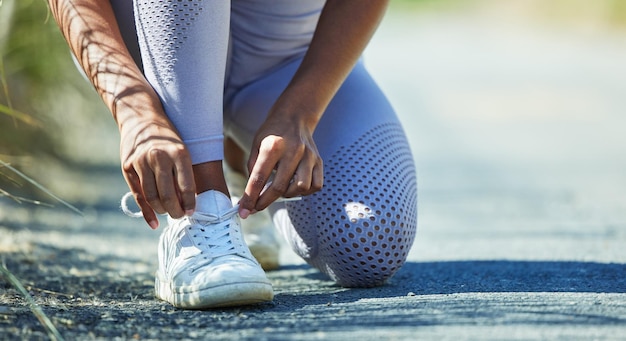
(157, 168)
(285, 145)
(285, 140)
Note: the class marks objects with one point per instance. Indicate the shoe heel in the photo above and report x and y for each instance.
(161, 290)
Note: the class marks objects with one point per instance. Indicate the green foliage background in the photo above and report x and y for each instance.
(30, 60)
(63, 124)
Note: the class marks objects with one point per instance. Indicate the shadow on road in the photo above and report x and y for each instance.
(512, 276)
(109, 296)
(458, 277)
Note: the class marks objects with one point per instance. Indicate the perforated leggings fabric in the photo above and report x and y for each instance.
(365, 217)
(360, 227)
(184, 44)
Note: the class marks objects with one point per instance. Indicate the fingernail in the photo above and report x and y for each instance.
(244, 213)
(154, 224)
(189, 213)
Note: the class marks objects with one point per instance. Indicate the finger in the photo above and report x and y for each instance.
(132, 179)
(254, 154)
(168, 194)
(186, 185)
(317, 183)
(150, 191)
(300, 182)
(280, 184)
(163, 169)
(148, 213)
(260, 173)
(309, 180)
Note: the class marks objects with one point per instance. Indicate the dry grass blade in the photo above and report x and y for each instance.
(53, 333)
(20, 200)
(10, 196)
(8, 109)
(40, 187)
(18, 115)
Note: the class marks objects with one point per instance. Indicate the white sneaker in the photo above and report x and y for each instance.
(258, 229)
(204, 261)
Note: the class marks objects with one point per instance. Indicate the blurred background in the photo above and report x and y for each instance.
(515, 110)
(53, 125)
(519, 103)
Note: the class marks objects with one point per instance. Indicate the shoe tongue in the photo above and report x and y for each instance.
(214, 202)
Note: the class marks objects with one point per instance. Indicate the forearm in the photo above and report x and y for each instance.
(91, 31)
(344, 30)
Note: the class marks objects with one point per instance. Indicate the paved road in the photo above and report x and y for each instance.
(518, 135)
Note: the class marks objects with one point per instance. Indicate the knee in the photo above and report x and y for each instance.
(361, 270)
(365, 218)
(365, 253)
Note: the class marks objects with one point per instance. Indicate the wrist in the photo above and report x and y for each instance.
(296, 114)
(301, 104)
(141, 105)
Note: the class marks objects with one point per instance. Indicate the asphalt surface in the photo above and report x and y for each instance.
(517, 130)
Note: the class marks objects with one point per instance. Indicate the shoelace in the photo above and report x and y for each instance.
(126, 209)
(223, 238)
(138, 214)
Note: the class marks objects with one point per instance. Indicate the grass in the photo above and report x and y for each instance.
(51, 330)
(40, 187)
(16, 123)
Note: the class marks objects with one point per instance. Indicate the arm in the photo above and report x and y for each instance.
(155, 162)
(285, 140)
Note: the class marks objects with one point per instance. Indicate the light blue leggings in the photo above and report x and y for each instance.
(219, 67)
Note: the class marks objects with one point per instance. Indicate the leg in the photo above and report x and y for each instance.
(183, 48)
(360, 227)
(203, 261)
(234, 156)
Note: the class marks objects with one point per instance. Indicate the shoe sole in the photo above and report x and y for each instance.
(227, 295)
